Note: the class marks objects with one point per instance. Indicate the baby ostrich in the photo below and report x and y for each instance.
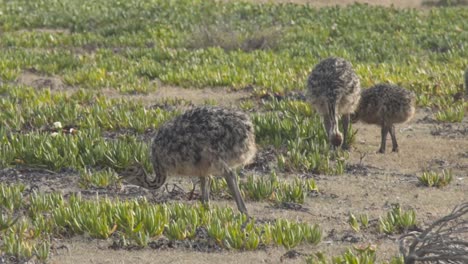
(385, 105)
(201, 142)
(334, 89)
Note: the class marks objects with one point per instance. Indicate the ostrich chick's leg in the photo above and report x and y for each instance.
(205, 188)
(231, 180)
(394, 141)
(327, 125)
(384, 133)
(345, 119)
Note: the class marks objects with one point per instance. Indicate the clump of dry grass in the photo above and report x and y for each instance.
(224, 36)
(445, 241)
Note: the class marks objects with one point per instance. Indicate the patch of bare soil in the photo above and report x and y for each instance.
(164, 96)
(450, 130)
(32, 78)
(94, 252)
(372, 184)
(47, 30)
(423, 145)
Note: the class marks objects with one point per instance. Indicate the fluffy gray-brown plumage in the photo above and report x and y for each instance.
(333, 88)
(201, 142)
(386, 105)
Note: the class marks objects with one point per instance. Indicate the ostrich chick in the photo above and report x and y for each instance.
(386, 105)
(333, 88)
(201, 142)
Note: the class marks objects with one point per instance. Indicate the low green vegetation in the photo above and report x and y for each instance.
(95, 45)
(11, 198)
(357, 255)
(270, 188)
(452, 114)
(99, 179)
(99, 44)
(85, 117)
(356, 223)
(25, 108)
(132, 222)
(294, 127)
(87, 148)
(397, 221)
(435, 179)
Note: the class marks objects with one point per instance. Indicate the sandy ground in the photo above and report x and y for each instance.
(220, 95)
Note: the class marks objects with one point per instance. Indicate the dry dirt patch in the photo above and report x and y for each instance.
(223, 96)
(420, 147)
(220, 95)
(33, 79)
(85, 252)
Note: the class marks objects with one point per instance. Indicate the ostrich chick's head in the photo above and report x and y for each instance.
(336, 139)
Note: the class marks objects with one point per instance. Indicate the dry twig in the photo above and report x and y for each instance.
(445, 241)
